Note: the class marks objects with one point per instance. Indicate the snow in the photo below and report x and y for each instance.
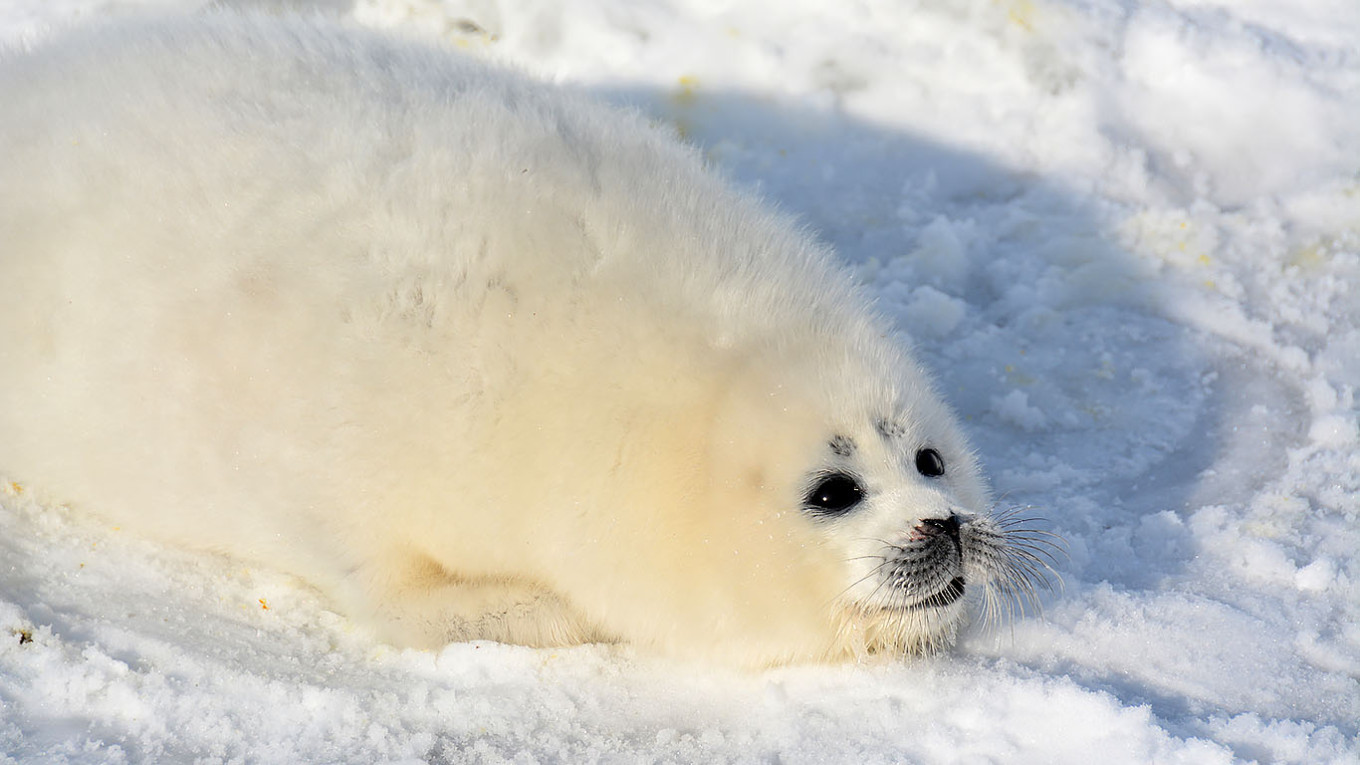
(1126, 236)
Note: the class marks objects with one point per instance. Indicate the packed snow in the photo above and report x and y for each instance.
(1125, 234)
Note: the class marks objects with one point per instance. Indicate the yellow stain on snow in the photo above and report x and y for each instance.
(1174, 240)
(13, 489)
(685, 94)
(1019, 12)
(1018, 378)
(1310, 256)
(263, 604)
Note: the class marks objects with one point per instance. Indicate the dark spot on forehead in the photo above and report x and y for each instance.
(842, 446)
(889, 429)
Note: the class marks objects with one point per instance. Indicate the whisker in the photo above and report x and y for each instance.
(1008, 559)
(872, 572)
(883, 581)
(883, 542)
(1036, 554)
(1026, 533)
(1022, 559)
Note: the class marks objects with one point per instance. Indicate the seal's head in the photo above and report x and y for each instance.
(854, 457)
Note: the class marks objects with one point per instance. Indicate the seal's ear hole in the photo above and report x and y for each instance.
(834, 494)
(929, 463)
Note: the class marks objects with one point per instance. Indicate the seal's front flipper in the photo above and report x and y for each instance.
(416, 602)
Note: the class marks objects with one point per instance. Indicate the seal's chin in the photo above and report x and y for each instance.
(919, 626)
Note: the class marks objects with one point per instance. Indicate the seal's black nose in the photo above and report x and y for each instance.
(940, 527)
(946, 528)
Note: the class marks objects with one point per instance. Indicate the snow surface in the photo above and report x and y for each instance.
(1125, 234)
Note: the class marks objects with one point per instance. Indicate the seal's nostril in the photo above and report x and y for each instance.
(940, 526)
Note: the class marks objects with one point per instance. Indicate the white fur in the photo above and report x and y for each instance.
(477, 357)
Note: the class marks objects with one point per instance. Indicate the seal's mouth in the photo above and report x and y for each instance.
(906, 624)
(951, 593)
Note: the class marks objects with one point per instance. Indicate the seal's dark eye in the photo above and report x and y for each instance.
(930, 463)
(835, 494)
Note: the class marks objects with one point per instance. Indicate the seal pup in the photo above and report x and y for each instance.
(477, 357)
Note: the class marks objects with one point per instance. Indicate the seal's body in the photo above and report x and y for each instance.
(478, 358)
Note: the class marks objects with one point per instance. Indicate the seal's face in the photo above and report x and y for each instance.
(906, 510)
(903, 518)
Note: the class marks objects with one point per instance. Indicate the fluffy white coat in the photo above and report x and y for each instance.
(477, 357)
